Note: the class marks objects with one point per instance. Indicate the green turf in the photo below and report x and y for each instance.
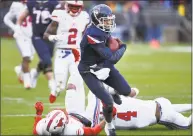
(156, 72)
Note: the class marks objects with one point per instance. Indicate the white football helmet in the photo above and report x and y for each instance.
(56, 121)
(74, 7)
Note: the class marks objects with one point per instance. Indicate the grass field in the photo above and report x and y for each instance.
(156, 72)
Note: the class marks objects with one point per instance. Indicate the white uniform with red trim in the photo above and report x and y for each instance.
(136, 113)
(132, 113)
(70, 29)
(23, 40)
(74, 126)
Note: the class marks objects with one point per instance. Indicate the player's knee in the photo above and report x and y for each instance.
(40, 66)
(47, 68)
(71, 86)
(108, 108)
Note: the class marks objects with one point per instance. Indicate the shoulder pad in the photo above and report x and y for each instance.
(56, 15)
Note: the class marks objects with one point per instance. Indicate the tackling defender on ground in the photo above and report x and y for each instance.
(69, 122)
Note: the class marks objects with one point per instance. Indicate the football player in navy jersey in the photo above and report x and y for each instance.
(40, 11)
(97, 61)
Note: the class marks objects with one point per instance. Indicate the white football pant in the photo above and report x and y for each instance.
(64, 63)
(25, 46)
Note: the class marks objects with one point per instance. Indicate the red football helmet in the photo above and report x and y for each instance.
(74, 7)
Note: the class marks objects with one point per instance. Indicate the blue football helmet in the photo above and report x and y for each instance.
(103, 18)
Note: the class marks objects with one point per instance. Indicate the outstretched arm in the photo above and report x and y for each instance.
(95, 130)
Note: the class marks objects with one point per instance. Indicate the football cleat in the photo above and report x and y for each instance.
(18, 72)
(52, 98)
(112, 132)
(39, 108)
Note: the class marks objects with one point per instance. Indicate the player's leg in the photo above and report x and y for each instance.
(61, 66)
(75, 85)
(24, 45)
(92, 111)
(97, 87)
(117, 81)
(171, 118)
(43, 52)
(182, 107)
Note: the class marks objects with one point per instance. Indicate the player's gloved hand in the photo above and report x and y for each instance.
(39, 108)
(119, 41)
(17, 31)
(56, 38)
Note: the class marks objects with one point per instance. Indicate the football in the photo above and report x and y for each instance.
(113, 44)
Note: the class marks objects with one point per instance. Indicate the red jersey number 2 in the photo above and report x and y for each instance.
(72, 37)
(127, 115)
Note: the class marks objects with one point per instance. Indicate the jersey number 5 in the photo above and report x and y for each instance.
(127, 115)
(72, 37)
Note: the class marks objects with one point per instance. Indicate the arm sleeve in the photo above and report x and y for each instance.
(100, 47)
(8, 19)
(92, 131)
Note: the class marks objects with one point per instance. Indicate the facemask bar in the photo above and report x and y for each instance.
(106, 27)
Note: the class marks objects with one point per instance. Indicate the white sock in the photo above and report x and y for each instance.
(27, 80)
(52, 85)
(110, 125)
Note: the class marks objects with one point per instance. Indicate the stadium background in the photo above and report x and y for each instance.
(157, 61)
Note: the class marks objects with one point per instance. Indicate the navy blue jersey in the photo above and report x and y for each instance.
(40, 13)
(94, 48)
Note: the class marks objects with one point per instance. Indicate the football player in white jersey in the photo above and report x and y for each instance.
(23, 40)
(66, 31)
(136, 113)
(69, 121)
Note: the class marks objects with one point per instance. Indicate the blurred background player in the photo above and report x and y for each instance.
(68, 121)
(66, 31)
(22, 35)
(40, 11)
(97, 61)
